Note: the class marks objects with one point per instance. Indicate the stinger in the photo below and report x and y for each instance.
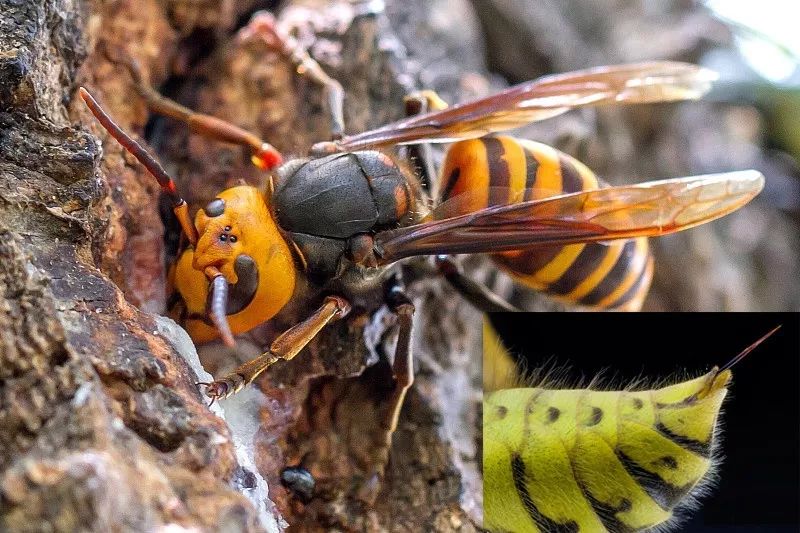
(747, 350)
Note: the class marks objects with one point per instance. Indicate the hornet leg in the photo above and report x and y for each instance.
(264, 155)
(285, 347)
(403, 374)
(474, 292)
(264, 25)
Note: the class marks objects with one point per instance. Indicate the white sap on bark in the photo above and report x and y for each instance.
(241, 414)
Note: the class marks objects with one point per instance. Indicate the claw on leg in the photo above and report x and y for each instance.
(221, 389)
(285, 347)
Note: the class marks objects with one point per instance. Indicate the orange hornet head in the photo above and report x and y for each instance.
(249, 263)
(238, 250)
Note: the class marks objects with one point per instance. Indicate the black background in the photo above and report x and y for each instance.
(758, 489)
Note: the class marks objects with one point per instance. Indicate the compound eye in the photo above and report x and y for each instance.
(215, 207)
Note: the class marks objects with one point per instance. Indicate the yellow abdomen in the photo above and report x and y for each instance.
(593, 461)
(501, 170)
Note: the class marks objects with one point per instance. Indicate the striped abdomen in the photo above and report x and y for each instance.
(589, 461)
(501, 170)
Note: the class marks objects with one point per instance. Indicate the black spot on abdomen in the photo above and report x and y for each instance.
(597, 416)
(669, 461)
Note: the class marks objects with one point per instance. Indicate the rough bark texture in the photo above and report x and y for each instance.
(102, 427)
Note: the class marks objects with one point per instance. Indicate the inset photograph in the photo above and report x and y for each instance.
(641, 422)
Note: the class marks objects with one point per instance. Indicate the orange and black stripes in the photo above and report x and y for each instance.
(499, 170)
(531, 169)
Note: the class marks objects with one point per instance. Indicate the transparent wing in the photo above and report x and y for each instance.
(656, 81)
(648, 209)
